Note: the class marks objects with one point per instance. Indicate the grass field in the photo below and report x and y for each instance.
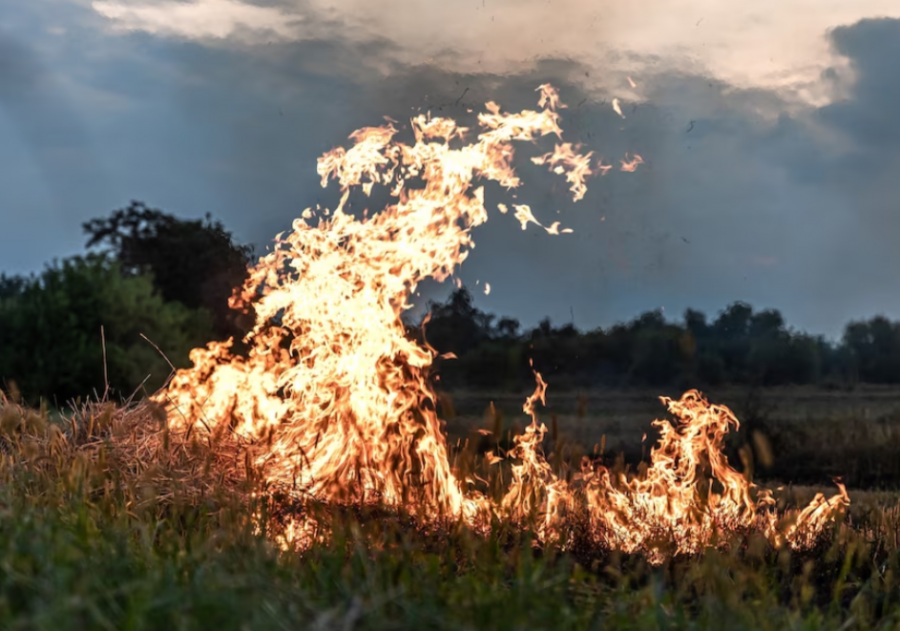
(92, 540)
(815, 434)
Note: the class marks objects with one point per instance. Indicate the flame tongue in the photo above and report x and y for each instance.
(335, 398)
(689, 491)
(332, 388)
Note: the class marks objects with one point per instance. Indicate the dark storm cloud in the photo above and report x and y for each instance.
(850, 150)
(870, 116)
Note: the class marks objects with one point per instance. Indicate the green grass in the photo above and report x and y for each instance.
(92, 537)
(90, 565)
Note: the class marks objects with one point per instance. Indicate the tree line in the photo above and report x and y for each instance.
(740, 346)
(118, 319)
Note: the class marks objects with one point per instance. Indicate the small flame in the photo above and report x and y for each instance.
(523, 214)
(630, 166)
(576, 167)
(549, 97)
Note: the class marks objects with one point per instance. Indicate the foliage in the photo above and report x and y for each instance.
(50, 331)
(741, 346)
(194, 262)
(11, 286)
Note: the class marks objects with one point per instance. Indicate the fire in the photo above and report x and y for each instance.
(333, 400)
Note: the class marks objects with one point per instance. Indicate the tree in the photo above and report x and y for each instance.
(50, 332)
(194, 262)
(768, 323)
(874, 346)
(659, 354)
(734, 322)
(11, 286)
(695, 323)
(457, 326)
(508, 328)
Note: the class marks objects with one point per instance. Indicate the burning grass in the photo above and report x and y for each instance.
(99, 530)
(324, 439)
(334, 403)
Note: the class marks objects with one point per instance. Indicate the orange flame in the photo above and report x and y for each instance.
(334, 399)
(630, 166)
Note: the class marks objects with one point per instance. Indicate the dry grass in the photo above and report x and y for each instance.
(815, 435)
(128, 449)
(109, 520)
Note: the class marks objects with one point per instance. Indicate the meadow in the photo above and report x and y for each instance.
(99, 529)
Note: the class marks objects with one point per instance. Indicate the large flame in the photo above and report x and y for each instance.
(334, 398)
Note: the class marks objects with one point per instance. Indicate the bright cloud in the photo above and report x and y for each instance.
(196, 20)
(766, 43)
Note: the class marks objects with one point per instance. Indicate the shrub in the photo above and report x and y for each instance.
(50, 331)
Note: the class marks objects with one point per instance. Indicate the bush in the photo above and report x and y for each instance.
(50, 331)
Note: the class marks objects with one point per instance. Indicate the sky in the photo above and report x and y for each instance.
(768, 129)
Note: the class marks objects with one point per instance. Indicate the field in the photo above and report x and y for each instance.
(90, 539)
(814, 434)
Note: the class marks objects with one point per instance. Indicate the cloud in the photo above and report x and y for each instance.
(759, 184)
(850, 151)
(198, 20)
(768, 43)
(870, 116)
(746, 195)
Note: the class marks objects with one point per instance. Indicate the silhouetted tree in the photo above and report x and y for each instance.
(695, 323)
(508, 328)
(194, 262)
(733, 322)
(740, 347)
(766, 324)
(11, 286)
(457, 326)
(874, 348)
(658, 354)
